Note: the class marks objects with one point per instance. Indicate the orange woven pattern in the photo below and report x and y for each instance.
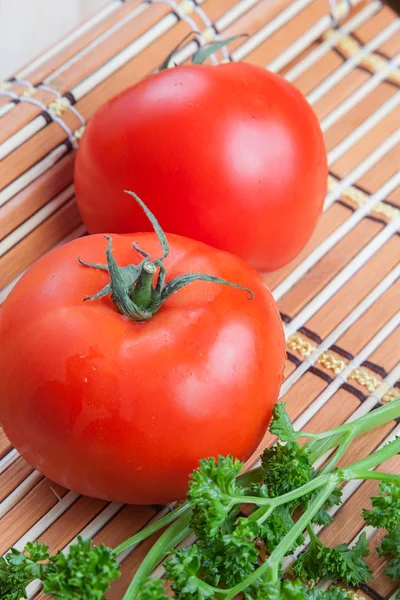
(339, 299)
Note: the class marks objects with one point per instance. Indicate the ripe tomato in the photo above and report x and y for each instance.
(230, 155)
(124, 410)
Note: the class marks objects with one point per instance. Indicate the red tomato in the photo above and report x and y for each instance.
(230, 155)
(124, 410)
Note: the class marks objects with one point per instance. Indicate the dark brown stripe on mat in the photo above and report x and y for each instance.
(343, 203)
(353, 390)
(372, 593)
(70, 97)
(321, 374)
(376, 219)
(294, 359)
(285, 318)
(342, 352)
(46, 117)
(375, 368)
(311, 334)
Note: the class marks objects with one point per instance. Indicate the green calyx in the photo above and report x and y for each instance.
(203, 52)
(139, 291)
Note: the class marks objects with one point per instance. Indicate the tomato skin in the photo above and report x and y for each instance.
(121, 410)
(230, 155)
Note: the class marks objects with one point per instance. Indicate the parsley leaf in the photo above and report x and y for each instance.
(213, 493)
(183, 570)
(277, 526)
(339, 563)
(83, 574)
(390, 545)
(286, 467)
(385, 511)
(323, 517)
(281, 425)
(19, 569)
(152, 590)
(333, 593)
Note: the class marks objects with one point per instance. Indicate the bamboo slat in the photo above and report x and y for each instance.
(339, 299)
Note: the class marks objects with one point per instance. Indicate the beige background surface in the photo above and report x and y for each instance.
(27, 27)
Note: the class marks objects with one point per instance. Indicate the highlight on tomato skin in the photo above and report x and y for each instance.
(121, 403)
(231, 155)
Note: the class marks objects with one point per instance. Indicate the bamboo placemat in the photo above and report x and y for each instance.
(339, 299)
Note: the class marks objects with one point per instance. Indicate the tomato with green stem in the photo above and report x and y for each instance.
(231, 155)
(166, 361)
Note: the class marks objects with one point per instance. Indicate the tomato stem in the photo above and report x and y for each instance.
(142, 291)
(132, 288)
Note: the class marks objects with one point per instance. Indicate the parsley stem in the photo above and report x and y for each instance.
(175, 534)
(143, 534)
(379, 475)
(313, 507)
(333, 437)
(260, 515)
(371, 461)
(310, 486)
(339, 452)
(312, 534)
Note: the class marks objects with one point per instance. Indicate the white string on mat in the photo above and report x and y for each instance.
(325, 86)
(342, 277)
(188, 20)
(341, 328)
(12, 95)
(37, 219)
(209, 25)
(323, 48)
(339, 9)
(329, 242)
(351, 101)
(36, 125)
(69, 106)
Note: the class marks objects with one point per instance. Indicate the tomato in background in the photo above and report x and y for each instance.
(231, 155)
